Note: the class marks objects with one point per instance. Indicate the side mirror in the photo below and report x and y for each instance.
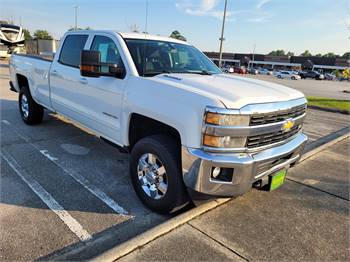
(91, 66)
(90, 63)
(116, 71)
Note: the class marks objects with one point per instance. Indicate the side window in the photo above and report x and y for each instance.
(109, 51)
(71, 49)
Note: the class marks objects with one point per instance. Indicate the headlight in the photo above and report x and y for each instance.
(226, 120)
(223, 141)
(221, 118)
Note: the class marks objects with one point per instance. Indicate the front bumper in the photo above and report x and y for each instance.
(247, 168)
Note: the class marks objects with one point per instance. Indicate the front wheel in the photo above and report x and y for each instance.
(293, 78)
(31, 112)
(279, 76)
(155, 172)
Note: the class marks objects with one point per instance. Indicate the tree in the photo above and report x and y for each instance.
(306, 53)
(27, 35)
(330, 55)
(42, 34)
(279, 52)
(318, 55)
(86, 28)
(346, 55)
(177, 35)
(289, 53)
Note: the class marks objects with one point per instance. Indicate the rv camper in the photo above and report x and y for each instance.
(11, 39)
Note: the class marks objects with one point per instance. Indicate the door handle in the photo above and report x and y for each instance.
(54, 73)
(83, 81)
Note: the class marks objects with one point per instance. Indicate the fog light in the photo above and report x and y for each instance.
(216, 172)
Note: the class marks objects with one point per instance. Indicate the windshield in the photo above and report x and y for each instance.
(152, 57)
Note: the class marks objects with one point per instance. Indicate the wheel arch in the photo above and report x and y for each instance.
(141, 126)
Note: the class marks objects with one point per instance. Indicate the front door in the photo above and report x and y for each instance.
(102, 96)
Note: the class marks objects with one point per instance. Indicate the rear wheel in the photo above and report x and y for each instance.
(155, 172)
(31, 112)
(293, 78)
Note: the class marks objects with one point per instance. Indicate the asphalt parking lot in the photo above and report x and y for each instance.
(63, 189)
(310, 87)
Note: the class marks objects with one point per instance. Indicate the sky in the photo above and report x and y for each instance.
(320, 26)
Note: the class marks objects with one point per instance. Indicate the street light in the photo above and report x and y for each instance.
(222, 34)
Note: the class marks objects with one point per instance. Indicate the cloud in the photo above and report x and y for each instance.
(256, 20)
(204, 8)
(261, 3)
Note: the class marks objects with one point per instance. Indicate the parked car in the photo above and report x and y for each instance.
(287, 75)
(329, 76)
(186, 124)
(240, 70)
(253, 71)
(275, 72)
(227, 69)
(312, 74)
(264, 71)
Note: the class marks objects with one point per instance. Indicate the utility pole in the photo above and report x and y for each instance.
(146, 20)
(76, 17)
(222, 34)
(253, 54)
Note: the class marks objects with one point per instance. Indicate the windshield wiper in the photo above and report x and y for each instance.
(155, 73)
(202, 72)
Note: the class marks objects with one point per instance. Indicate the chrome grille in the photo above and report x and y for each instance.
(273, 117)
(271, 138)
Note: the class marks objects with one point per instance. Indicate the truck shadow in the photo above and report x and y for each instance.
(76, 151)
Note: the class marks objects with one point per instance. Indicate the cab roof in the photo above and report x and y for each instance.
(133, 35)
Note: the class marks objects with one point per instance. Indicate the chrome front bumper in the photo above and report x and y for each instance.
(197, 166)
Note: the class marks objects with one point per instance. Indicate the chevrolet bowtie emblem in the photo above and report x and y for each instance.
(288, 125)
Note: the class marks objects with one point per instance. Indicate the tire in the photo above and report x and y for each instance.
(167, 154)
(279, 76)
(293, 78)
(31, 112)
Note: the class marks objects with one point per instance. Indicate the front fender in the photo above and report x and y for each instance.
(171, 105)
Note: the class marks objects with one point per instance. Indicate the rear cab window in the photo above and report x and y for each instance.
(71, 49)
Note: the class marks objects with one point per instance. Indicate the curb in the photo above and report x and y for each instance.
(320, 148)
(162, 229)
(127, 247)
(333, 110)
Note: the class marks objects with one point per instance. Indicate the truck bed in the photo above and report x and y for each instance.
(36, 70)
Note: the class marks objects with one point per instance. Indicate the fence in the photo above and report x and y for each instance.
(38, 46)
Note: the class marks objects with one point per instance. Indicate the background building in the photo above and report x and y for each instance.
(280, 62)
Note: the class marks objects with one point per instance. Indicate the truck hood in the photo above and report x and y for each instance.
(233, 91)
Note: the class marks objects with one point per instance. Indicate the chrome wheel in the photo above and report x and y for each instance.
(152, 176)
(24, 106)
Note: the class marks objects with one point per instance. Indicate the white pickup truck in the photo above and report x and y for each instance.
(189, 127)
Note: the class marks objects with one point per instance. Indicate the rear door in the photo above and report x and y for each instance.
(65, 79)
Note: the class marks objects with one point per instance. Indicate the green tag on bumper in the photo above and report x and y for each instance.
(277, 179)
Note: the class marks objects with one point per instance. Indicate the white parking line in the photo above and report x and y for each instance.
(81, 180)
(85, 183)
(67, 219)
(5, 122)
(45, 153)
